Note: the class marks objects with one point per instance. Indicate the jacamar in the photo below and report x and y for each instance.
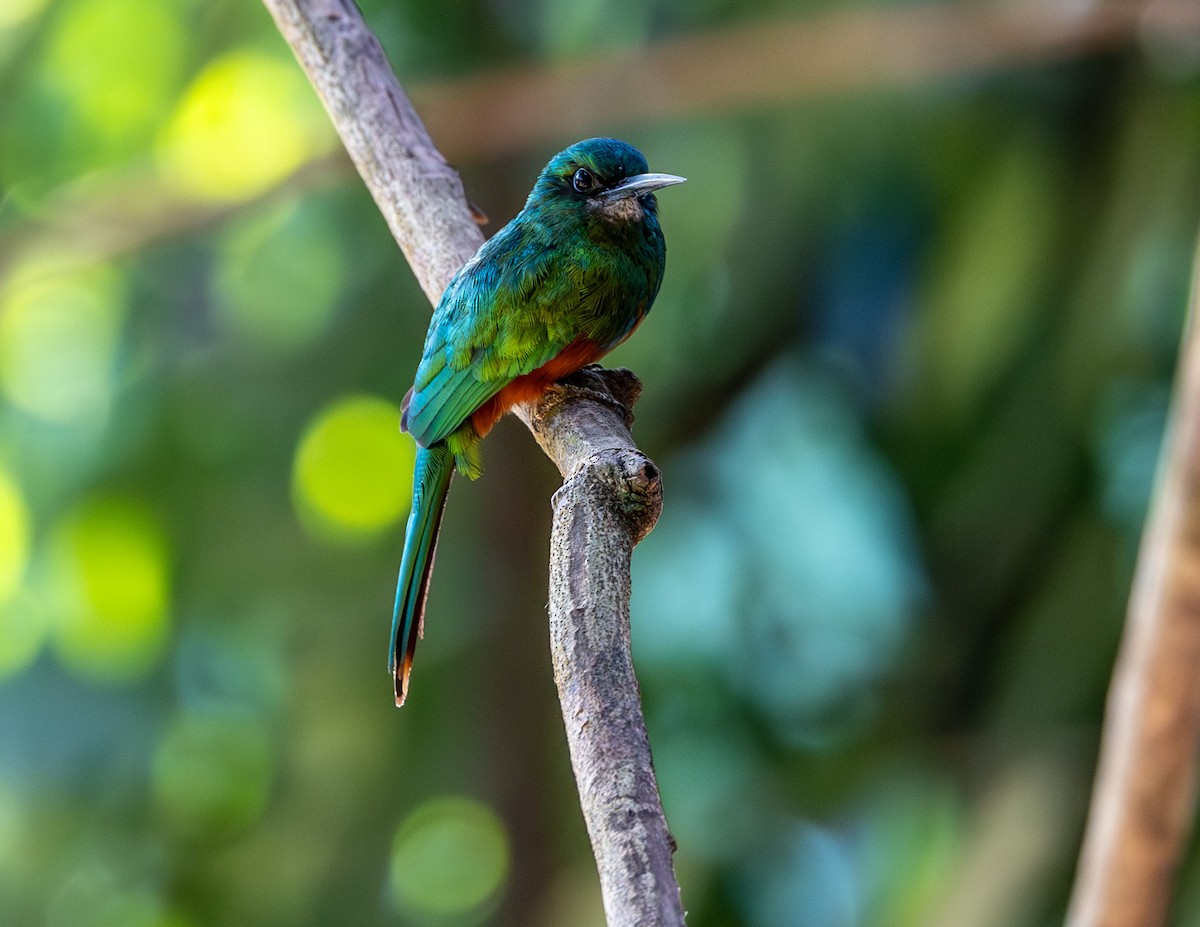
(557, 288)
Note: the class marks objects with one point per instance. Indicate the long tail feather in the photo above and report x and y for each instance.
(431, 481)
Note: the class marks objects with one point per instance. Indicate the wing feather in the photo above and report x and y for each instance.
(494, 323)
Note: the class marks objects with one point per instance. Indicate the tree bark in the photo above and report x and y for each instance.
(418, 192)
(1145, 794)
(610, 499)
(611, 496)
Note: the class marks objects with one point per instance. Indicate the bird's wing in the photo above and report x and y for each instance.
(495, 322)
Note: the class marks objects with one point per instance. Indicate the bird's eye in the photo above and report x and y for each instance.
(583, 181)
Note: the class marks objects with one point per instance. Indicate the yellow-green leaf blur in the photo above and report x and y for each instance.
(353, 469)
(111, 567)
(245, 122)
(60, 327)
(449, 859)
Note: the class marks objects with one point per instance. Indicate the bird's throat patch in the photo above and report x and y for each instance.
(628, 209)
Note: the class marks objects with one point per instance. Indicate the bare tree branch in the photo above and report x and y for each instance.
(609, 501)
(419, 194)
(1145, 794)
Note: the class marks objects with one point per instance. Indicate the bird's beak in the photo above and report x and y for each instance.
(639, 185)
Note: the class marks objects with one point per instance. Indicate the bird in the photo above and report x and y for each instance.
(561, 285)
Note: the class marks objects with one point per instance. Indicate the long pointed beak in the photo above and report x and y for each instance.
(640, 185)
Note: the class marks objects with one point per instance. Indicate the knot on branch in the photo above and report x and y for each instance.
(622, 481)
(617, 388)
(582, 423)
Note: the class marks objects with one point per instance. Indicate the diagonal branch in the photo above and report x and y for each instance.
(1145, 794)
(609, 501)
(418, 192)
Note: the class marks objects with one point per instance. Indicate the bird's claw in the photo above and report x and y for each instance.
(599, 385)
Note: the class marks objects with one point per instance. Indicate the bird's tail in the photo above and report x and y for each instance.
(431, 481)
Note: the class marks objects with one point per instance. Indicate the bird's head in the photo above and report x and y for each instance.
(603, 177)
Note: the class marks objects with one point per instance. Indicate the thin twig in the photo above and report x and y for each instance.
(1145, 795)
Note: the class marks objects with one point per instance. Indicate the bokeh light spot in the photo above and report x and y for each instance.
(111, 566)
(22, 633)
(278, 278)
(353, 469)
(246, 122)
(117, 64)
(449, 859)
(98, 894)
(212, 774)
(14, 539)
(59, 333)
(15, 12)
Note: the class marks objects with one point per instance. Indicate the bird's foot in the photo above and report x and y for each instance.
(617, 388)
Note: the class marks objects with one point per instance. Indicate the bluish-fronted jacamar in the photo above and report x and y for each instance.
(557, 288)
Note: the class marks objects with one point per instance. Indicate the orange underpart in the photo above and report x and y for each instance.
(577, 354)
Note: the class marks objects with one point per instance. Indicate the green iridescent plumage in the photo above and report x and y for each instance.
(558, 287)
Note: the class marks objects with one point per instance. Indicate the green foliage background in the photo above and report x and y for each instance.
(906, 380)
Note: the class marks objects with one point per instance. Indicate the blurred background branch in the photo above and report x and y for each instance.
(751, 66)
(1144, 800)
(778, 61)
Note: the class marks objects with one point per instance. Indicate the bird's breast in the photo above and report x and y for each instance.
(577, 354)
